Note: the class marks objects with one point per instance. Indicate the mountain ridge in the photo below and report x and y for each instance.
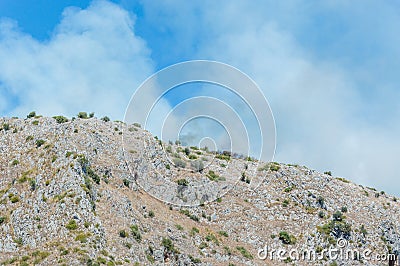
(73, 192)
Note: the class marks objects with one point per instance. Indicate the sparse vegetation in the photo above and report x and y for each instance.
(31, 114)
(245, 253)
(40, 143)
(136, 233)
(223, 157)
(343, 180)
(82, 237)
(321, 201)
(337, 227)
(168, 245)
(191, 216)
(223, 233)
(126, 182)
(60, 119)
(197, 165)
(6, 126)
(71, 225)
(123, 233)
(286, 238)
(182, 182)
(3, 219)
(179, 163)
(214, 177)
(82, 115)
(105, 119)
(274, 167)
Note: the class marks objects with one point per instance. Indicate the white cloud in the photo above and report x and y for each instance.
(93, 62)
(320, 105)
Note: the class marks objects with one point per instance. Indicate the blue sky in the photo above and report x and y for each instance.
(330, 69)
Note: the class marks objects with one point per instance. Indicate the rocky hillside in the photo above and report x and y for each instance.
(94, 192)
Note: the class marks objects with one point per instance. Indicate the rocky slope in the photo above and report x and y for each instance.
(75, 193)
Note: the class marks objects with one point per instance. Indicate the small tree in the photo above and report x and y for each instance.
(60, 119)
(106, 119)
(31, 114)
(83, 115)
(338, 216)
(40, 142)
(187, 151)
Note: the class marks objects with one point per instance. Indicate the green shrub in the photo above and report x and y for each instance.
(123, 233)
(136, 233)
(151, 214)
(244, 253)
(60, 119)
(106, 119)
(31, 114)
(82, 237)
(168, 245)
(344, 209)
(95, 177)
(223, 233)
(274, 166)
(182, 182)
(321, 201)
(213, 238)
(40, 143)
(71, 225)
(214, 177)
(187, 151)
(337, 227)
(35, 123)
(82, 115)
(288, 189)
(328, 173)
(14, 162)
(285, 203)
(126, 182)
(363, 230)
(286, 238)
(192, 157)
(223, 157)
(14, 198)
(6, 126)
(338, 216)
(194, 231)
(3, 219)
(203, 245)
(179, 163)
(321, 214)
(32, 184)
(191, 216)
(179, 227)
(343, 180)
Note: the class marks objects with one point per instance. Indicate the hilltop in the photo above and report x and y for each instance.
(74, 192)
